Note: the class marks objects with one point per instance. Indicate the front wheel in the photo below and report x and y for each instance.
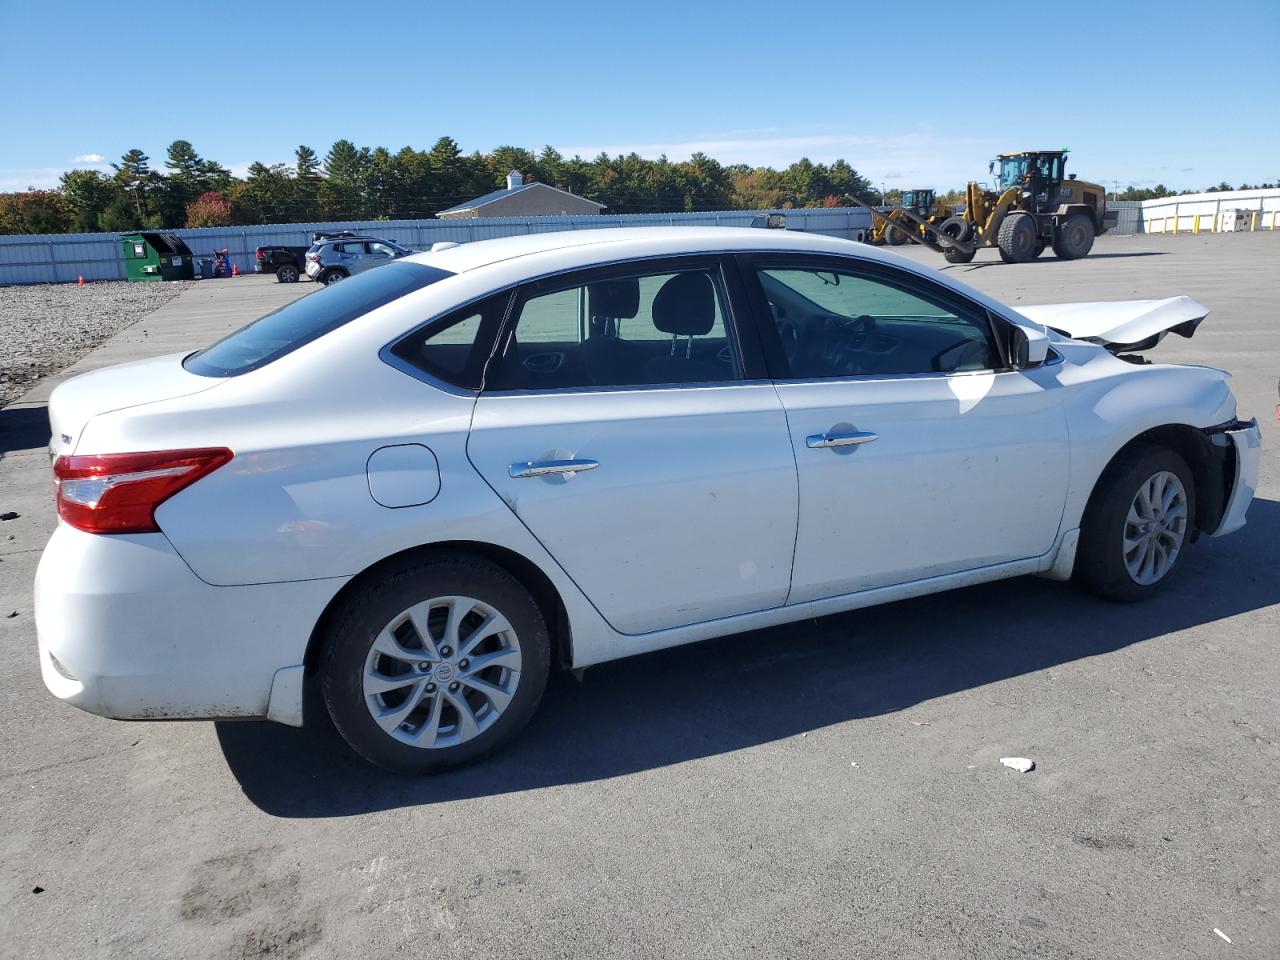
(1137, 524)
(435, 665)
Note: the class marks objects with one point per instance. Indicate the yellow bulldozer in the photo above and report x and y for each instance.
(1035, 205)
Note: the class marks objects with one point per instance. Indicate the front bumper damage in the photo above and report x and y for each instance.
(1241, 446)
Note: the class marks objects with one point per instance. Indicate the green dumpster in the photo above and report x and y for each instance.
(157, 256)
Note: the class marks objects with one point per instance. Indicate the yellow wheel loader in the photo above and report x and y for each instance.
(894, 227)
(1035, 205)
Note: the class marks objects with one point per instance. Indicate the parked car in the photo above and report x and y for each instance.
(331, 260)
(424, 489)
(285, 262)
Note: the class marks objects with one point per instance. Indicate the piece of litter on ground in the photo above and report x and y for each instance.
(852, 764)
(1021, 764)
(11, 615)
(9, 516)
(919, 723)
(1221, 934)
(41, 890)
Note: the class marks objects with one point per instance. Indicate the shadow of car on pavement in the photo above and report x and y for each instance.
(734, 692)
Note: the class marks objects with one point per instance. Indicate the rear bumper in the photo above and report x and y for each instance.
(126, 630)
(1247, 441)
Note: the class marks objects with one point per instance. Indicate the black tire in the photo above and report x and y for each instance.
(332, 276)
(895, 236)
(957, 228)
(1073, 239)
(362, 617)
(287, 273)
(1038, 250)
(1100, 560)
(1017, 238)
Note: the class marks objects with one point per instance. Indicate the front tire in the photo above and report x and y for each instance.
(1017, 238)
(1137, 525)
(895, 236)
(436, 664)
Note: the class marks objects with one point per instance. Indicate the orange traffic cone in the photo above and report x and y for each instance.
(81, 283)
(235, 271)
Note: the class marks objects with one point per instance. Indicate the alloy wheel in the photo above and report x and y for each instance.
(1155, 528)
(442, 672)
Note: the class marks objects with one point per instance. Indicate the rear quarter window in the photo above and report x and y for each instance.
(309, 318)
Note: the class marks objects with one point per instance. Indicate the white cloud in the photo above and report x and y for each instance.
(88, 158)
(927, 158)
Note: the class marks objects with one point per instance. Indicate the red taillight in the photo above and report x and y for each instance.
(119, 492)
(258, 253)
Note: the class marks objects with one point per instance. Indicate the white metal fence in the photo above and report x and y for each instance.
(1205, 212)
(64, 258)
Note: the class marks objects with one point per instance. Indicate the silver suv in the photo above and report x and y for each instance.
(329, 261)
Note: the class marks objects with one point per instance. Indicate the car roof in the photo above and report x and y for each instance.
(587, 247)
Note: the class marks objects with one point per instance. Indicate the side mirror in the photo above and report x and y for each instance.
(1027, 346)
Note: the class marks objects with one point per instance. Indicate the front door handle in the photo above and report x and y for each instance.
(820, 440)
(547, 468)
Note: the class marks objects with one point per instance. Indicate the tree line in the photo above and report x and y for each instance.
(360, 183)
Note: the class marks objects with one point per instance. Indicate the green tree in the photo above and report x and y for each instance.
(34, 211)
(87, 193)
(134, 178)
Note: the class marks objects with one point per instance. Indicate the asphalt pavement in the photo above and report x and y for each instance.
(830, 788)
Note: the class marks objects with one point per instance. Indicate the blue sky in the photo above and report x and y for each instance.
(1181, 93)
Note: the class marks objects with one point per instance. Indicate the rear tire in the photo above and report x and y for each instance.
(1017, 238)
(332, 277)
(287, 273)
(1073, 239)
(377, 638)
(1127, 513)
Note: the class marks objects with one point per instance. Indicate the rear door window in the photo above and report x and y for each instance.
(309, 318)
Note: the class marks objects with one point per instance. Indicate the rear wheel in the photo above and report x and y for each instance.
(895, 236)
(332, 277)
(1073, 238)
(1017, 238)
(435, 665)
(1136, 527)
(287, 273)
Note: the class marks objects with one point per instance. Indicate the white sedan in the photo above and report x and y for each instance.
(423, 488)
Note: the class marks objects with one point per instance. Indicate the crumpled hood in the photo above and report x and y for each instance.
(1121, 324)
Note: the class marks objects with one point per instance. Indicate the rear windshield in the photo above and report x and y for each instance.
(310, 317)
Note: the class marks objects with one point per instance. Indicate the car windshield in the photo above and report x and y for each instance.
(309, 318)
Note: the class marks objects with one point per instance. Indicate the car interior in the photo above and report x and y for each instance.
(629, 331)
(844, 325)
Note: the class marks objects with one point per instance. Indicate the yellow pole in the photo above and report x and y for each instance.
(1175, 224)
(1273, 218)
(1195, 224)
(1253, 221)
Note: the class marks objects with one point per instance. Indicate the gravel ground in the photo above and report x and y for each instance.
(46, 327)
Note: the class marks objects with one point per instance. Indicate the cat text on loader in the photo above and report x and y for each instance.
(1034, 205)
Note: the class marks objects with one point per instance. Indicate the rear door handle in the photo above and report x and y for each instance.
(820, 440)
(547, 468)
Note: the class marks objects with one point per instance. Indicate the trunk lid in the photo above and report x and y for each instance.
(76, 402)
(1120, 324)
